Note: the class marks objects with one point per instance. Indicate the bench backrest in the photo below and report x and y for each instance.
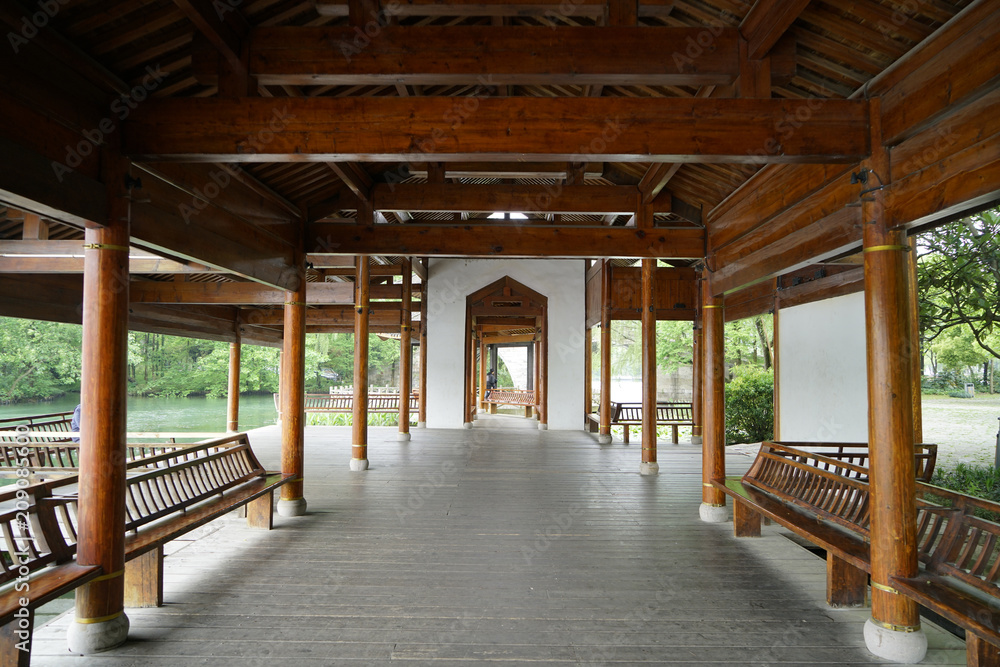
(510, 396)
(957, 543)
(827, 487)
(924, 454)
(344, 402)
(64, 456)
(32, 537)
(681, 413)
(55, 422)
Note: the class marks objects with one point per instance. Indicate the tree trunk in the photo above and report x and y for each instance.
(759, 323)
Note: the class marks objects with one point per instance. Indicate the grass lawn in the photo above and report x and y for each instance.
(965, 429)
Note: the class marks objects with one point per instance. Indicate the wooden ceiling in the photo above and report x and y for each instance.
(717, 131)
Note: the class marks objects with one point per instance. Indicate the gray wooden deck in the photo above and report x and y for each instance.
(499, 544)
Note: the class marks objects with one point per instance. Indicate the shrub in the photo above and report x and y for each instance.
(750, 405)
(959, 394)
(982, 481)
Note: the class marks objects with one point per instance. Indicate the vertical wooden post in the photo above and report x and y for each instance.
(604, 418)
(359, 419)
(914, 307)
(543, 372)
(713, 448)
(588, 373)
(422, 410)
(293, 400)
(776, 365)
(100, 621)
(697, 373)
(537, 376)
(468, 391)
(649, 466)
(893, 632)
(233, 405)
(405, 351)
(482, 371)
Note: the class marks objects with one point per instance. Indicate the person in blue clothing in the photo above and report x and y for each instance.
(491, 382)
(74, 424)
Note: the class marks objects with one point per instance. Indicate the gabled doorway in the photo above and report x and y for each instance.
(506, 313)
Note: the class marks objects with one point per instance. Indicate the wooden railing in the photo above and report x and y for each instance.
(344, 403)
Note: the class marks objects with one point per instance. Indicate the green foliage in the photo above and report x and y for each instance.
(345, 419)
(674, 345)
(975, 480)
(750, 405)
(38, 360)
(503, 374)
(750, 341)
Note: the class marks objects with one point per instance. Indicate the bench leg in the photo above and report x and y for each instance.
(626, 433)
(846, 585)
(746, 521)
(144, 580)
(15, 641)
(527, 412)
(493, 408)
(673, 434)
(259, 512)
(979, 652)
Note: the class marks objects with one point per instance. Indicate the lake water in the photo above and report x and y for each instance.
(167, 414)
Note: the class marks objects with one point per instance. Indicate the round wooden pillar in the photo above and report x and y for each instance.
(422, 391)
(292, 395)
(100, 621)
(649, 466)
(233, 404)
(604, 417)
(893, 632)
(362, 313)
(588, 372)
(405, 351)
(697, 415)
(713, 501)
(543, 374)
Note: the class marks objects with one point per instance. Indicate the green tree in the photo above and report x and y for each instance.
(38, 360)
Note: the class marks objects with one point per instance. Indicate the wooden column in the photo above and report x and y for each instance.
(543, 373)
(405, 351)
(588, 372)
(776, 366)
(359, 420)
(293, 400)
(697, 371)
(895, 618)
(422, 413)
(649, 466)
(100, 618)
(604, 418)
(914, 304)
(713, 501)
(482, 371)
(233, 405)
(538, 378)
(469, 401)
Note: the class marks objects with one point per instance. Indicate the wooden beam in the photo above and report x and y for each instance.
(655, 178)
(503, 129)
(489, 8)
(327, 316)
(222, 24)
(511, 170)
(354, 177)
(506, 198)
(766, 22)
(247, 293)
(484, 240)
(488, 56)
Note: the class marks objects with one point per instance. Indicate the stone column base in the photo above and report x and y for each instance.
(696, 439)
(421, 424)
(895, 645)
(649, 468)
(543, 427)
(402, 437)
(357, 465)
(87, 638)
(467, 425)
(713, 513)
(295, 507)
(604, 439)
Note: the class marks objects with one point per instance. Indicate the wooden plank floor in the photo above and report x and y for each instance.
(499, 544)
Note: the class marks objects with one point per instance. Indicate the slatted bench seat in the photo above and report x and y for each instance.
(826, 501)
(517, 397)
(667, 414)
(167, 496)
(925, 455)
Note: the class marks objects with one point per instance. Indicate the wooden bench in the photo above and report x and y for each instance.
(826, 501)
(925, 455)
(55, 422)
(508, 396)
(167, 496)
(46, 459)
(334, 403)
(667, 414)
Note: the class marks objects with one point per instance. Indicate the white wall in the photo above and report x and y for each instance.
(822, 374)
(452, 280)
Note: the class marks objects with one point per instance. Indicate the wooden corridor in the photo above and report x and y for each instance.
(499, 544)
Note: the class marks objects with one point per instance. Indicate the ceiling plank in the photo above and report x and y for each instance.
(152, 291)
(503, 129)
(489, 241)
(557, 198)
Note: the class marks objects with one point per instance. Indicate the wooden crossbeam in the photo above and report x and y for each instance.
(511, 170)
(324, 316)
(225, 29)
(149, 291)
(766, 22)
(354, 177)
(503, 129)
(589, 8)
(489, 241)
(506, 198)
(490, 56)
